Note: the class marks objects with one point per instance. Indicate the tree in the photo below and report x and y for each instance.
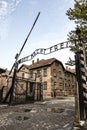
(79, 15)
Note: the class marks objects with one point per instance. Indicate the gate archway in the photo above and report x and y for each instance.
(80, 71)
(13, 94)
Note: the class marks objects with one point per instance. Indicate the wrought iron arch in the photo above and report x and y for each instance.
(46, 51)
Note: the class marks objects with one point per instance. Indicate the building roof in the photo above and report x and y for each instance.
(46, 62)
(23, 65)
(69, 70)
(43, 63)
(2, 70)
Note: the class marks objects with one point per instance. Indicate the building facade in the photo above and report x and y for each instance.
(47, 77)
(54, 78)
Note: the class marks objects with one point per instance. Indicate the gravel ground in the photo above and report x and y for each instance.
(55, 114)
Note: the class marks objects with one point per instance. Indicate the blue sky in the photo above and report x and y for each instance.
(52, 27)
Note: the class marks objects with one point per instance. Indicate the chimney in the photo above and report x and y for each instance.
(38, 60)
(66, 67)
(32, 62)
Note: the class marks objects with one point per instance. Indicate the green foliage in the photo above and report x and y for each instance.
(79, 15)
(79, 12)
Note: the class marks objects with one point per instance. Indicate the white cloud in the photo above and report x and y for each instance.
(12, 4)
(6, 8)
(3, 9)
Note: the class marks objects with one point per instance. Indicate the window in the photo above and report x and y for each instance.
(60, 72)
(23, 68)
(54, 72)
(23, 75)
(31, 74)
(38, 73)
(60, 84)
(45, 85)
(45, 72)
(54, 85)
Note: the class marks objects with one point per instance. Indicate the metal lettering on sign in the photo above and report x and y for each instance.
(46, 51)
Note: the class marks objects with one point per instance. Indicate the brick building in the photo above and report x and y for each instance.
(5, 82)
(50, 75)
(1, 82)
(55, 79)
(2, 71)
